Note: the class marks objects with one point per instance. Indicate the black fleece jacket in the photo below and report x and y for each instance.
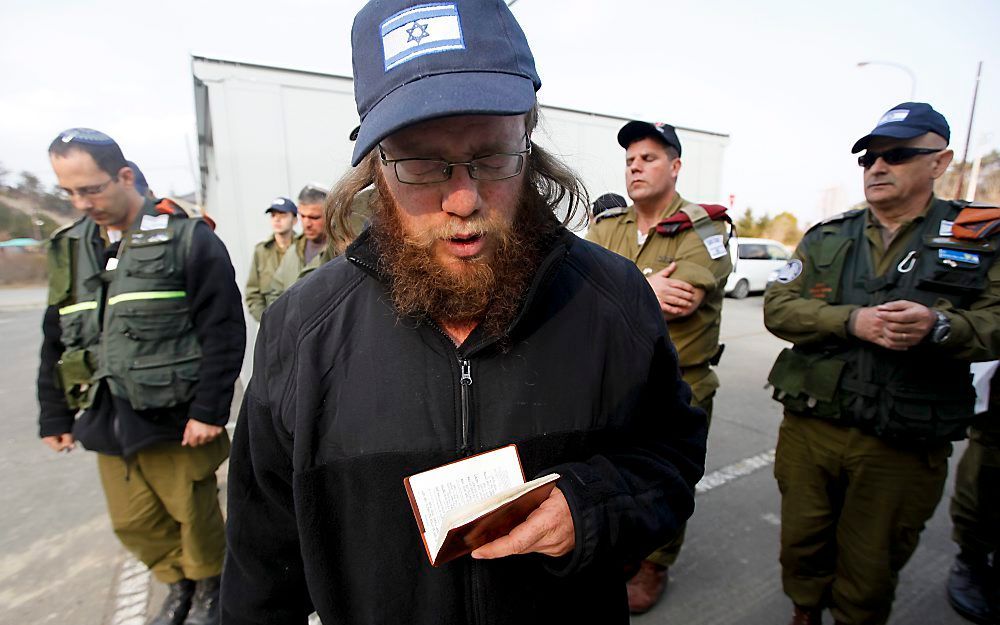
(347, 399)
(217, 317)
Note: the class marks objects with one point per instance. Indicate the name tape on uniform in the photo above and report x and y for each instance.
(715, 246)
(149, 222)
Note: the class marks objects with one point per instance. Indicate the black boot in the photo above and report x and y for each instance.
(970, 588)
(176, 605)
(205, 605)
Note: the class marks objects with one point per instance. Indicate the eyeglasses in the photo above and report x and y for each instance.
(430, 170)
(94, 189)
(894, 156)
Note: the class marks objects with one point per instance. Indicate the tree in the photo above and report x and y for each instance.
(30, 184)
(785, 228)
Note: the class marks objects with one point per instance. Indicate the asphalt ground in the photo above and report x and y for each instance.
(60, 562)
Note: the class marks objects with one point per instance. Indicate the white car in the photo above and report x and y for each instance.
(753, 264)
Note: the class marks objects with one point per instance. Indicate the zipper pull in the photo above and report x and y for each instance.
(466, 373)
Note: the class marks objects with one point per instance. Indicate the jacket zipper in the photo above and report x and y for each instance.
(466, 382)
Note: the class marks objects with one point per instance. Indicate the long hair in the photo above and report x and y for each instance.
(557, 185)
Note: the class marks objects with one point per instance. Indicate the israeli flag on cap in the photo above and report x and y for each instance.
(895, 115)
(420, 30)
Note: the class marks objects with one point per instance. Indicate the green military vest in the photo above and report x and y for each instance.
(130, 325)
(913, 396)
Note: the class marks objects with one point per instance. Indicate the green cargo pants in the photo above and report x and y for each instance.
(852, 509)
(667, 554)
(164, 507)
(975, 506)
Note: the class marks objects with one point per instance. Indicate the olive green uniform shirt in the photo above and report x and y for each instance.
(788, 315)
(696, 336)
(267, 257)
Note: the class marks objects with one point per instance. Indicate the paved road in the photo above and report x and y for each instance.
(59, 562)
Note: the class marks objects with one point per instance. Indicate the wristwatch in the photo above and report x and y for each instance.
(941, 330)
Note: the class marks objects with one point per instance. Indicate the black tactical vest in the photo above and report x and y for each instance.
(915, 396)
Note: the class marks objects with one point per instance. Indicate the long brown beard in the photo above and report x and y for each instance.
(484, 292)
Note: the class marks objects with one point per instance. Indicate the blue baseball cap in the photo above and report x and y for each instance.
(140, 181)
(418, 61)
(905, 121)
(283, 205)
(635, 130)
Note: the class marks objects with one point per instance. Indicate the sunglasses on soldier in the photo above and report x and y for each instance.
(894, 156)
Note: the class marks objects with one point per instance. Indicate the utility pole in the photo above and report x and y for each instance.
(968, 136)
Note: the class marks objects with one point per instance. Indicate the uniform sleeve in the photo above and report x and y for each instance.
(254, 298)
(217, 314)
(55, 416)
(975, 333)
(800, 320)
(628, 501)
(263, 580)
(696, 267)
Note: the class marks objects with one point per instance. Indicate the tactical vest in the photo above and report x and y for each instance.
(130, 325)
(914, 396)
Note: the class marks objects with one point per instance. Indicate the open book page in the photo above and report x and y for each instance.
(438, 491)
(470, 512)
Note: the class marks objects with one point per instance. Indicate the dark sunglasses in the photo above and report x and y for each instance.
(894, 156)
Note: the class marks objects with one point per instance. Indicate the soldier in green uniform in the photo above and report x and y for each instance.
(682, 251)
(143, 340)
(267, 255)
(885, 307)
(975, 515)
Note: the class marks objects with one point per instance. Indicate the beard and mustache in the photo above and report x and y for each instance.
(483, 290)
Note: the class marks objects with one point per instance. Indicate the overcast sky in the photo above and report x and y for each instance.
(779, 76)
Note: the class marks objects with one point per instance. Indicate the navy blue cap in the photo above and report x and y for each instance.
(905, 121)
(606, 201)
(140, 181)
(85, 135)
(635, 130)
(283, 205)
(418, 61)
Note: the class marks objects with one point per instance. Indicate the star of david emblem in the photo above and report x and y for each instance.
(416, 32)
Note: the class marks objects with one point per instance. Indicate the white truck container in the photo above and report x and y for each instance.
(267, 131)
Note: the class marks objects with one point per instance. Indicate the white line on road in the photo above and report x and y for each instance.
(132, 594)
(734, 471)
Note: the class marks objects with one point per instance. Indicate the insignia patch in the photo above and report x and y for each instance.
(420, 30)
(944, 230)
(790, 271)
(954, 257)
(895, 115)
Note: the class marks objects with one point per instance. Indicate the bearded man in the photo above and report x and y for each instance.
(463, 319)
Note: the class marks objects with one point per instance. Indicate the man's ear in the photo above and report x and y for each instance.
(675, 167)
(126, 175)
(941, 163)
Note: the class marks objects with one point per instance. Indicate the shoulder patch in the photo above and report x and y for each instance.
(790, 272)
(611, 212)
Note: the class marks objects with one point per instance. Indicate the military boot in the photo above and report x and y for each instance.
(205, 604)
(646, 587)
(972, 588)
(176, 605)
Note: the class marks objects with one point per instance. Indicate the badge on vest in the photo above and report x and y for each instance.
(141, 238)
(790, 271)
(944, 230)
(149, 222)
(955, 258)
